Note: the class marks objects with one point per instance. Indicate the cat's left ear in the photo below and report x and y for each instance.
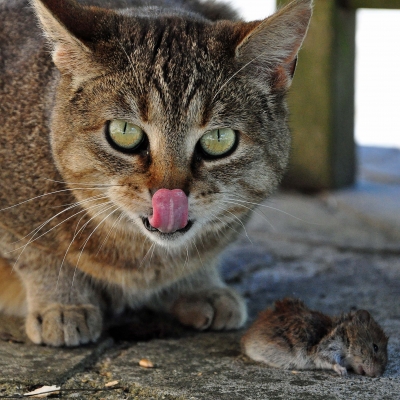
(270, 48)
(72, 31)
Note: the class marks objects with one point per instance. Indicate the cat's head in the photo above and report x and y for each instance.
(179, 122)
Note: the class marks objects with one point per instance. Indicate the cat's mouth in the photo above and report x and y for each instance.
(151, 228)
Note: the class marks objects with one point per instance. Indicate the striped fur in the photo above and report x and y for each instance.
(72, 206)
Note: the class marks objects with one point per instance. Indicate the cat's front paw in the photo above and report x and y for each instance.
(216, 308)
(64, 325)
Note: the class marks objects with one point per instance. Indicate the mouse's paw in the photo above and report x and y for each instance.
(342, 371)
(64, 325)
(216, 308)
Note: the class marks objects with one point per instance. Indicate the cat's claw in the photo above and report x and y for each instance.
(217, 309)
(64, 325)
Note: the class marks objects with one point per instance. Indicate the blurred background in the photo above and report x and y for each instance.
(377, 99)
(376, 94)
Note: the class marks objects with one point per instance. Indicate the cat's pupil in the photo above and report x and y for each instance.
(218, 142)
(124, 136)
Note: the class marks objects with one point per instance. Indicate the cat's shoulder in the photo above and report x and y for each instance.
(19, 29)
(19, 8)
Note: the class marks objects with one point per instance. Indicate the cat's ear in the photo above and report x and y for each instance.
(271, 47)
(70, 29)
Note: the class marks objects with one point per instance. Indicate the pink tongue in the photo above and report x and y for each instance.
(170, 210)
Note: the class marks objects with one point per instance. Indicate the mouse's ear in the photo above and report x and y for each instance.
(363, 316)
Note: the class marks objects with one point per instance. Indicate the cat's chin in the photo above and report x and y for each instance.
(174, 239)
(150, 228)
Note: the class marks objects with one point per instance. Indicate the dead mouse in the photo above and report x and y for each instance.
(291, 336)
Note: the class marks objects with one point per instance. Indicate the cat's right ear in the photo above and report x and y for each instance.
(270, 48)
(70, 29)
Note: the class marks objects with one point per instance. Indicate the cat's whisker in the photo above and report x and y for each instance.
(186, 257)
(86, 214)
(44, 223)
(115, 223)
(76, 233)
(144, 243)
(275, 209)
(122, 216)
(98, 225)
(93, 231)
(152, 253)
(214, 215)
(147, 253)
(217, 233)
(95, 184)
(219, 230)
(224, 223)
(240, 221)
(33, 238)
(237, 72)
(79, 203)
(37, 230)
(203, 266)
(198, 252)
(251, 209)
(202, 241)
(46, 194)
(180, 257)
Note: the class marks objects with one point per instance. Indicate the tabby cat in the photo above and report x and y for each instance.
(135, 141)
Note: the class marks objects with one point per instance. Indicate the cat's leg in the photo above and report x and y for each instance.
(203, 301)
(12, 292)
(62, 305)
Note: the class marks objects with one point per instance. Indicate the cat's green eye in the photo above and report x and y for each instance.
(218, 142)
(125, 135)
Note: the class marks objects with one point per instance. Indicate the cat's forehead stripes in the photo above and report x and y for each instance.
(171, 68)
(182, 60)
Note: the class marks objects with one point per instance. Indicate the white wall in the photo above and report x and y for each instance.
(254, 9)
(378, 78)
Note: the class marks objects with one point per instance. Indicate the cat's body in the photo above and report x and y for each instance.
(75, 205)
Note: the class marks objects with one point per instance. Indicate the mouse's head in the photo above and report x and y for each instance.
(367, 345)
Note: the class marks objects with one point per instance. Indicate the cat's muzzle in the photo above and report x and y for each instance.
(150, 228)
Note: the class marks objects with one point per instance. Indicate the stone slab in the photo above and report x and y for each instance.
(322, 220)
(210, 365)
(376, 196)
(379, 164)
(376, 203)
(24, 363)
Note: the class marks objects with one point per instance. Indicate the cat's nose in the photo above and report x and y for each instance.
(168, 173)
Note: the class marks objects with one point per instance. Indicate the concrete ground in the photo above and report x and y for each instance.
(337, 251)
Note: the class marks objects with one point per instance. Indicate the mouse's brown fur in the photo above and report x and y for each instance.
(291, 336)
